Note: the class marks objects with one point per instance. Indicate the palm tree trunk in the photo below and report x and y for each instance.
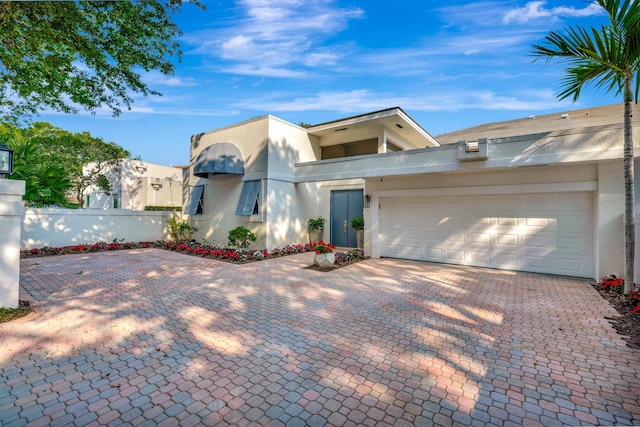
(629, 216)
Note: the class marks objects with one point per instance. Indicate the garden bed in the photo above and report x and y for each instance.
(233, 255)
(628, 323)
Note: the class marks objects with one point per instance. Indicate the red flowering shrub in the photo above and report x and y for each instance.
(634, 296)
(612, 283)
(322, 248)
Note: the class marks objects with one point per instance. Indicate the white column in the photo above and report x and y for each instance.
(11, 213)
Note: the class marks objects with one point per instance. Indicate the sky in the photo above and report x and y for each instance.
(448, 64)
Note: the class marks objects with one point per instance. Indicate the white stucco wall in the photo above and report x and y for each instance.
(64, 227)
(270, 147)
(610, 220)
(221, 195)
(11, 211)
(221, 192)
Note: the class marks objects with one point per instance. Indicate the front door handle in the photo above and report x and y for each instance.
(345, 225)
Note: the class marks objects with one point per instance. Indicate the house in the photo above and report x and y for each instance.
(137, 185)
(542, 194)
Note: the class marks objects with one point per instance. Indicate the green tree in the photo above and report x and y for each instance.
(87, 159)
(608, 57)
(45, 183)
(67, 55)
(45, 153)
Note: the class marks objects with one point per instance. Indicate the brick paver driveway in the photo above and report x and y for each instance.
(148, 337)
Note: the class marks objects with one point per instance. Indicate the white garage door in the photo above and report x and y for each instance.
(545, 233)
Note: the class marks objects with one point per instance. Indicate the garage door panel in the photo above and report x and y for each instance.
(548, 233)
(571, 243)
(456, 256)
(456, 237)
(541, 263)
(507, 261)
(570, 265)
(478, 257)
(483, 238)
(508, 240)
(507, 222)
(573, 221)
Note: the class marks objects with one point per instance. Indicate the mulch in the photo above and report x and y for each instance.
(628, 323)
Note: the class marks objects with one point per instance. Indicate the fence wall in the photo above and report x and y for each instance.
(11, 210)
(66, 227)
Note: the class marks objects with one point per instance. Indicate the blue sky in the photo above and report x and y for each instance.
(449, 65)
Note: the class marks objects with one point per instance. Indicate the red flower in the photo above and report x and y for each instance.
(636, 309)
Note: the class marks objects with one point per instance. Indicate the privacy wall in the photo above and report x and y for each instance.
(66, 227)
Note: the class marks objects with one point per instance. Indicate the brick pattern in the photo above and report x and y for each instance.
(149, 337)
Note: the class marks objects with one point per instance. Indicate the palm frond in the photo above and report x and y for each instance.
(601, 56)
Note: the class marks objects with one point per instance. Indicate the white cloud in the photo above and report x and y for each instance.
(362, 100)
(277, 35)
(483, 13)
(263, 71)
(158, 79)
(536, 10)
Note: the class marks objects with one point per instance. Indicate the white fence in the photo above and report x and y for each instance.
(66, 227)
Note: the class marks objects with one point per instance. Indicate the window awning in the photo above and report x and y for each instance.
(248, 197)
(220, 158)
(194, 200)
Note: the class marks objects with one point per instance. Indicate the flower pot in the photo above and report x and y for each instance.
(315, 235)
(324, 260)
(360, 238)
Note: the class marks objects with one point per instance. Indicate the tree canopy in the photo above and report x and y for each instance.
(72, 55)
(51, 162)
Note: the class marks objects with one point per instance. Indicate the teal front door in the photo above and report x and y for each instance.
(345, 204)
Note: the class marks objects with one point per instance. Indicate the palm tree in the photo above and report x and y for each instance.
(609, 57)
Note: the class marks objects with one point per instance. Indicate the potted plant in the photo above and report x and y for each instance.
(315, 229)
(357, 222)
(324, 257)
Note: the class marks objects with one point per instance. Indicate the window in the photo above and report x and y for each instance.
(195, 203)
(249, 204)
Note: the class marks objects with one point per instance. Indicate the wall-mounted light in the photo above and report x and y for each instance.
(157, 185)
(6, 161)
(367, 201)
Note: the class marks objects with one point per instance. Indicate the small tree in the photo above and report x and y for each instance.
(241, 237)
(609, 57)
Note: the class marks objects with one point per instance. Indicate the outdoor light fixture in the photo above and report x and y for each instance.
(157, 185)
(6, 161)
(367, 201)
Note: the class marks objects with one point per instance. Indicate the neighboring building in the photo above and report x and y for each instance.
(136, 184)
(542, 194)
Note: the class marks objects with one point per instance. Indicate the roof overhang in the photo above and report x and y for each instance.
(220, 158)
(394, 119)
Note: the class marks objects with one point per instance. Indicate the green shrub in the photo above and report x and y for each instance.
(357, 222)
(164, 208)
(180, 229)
(315, 223)
(241, 237)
